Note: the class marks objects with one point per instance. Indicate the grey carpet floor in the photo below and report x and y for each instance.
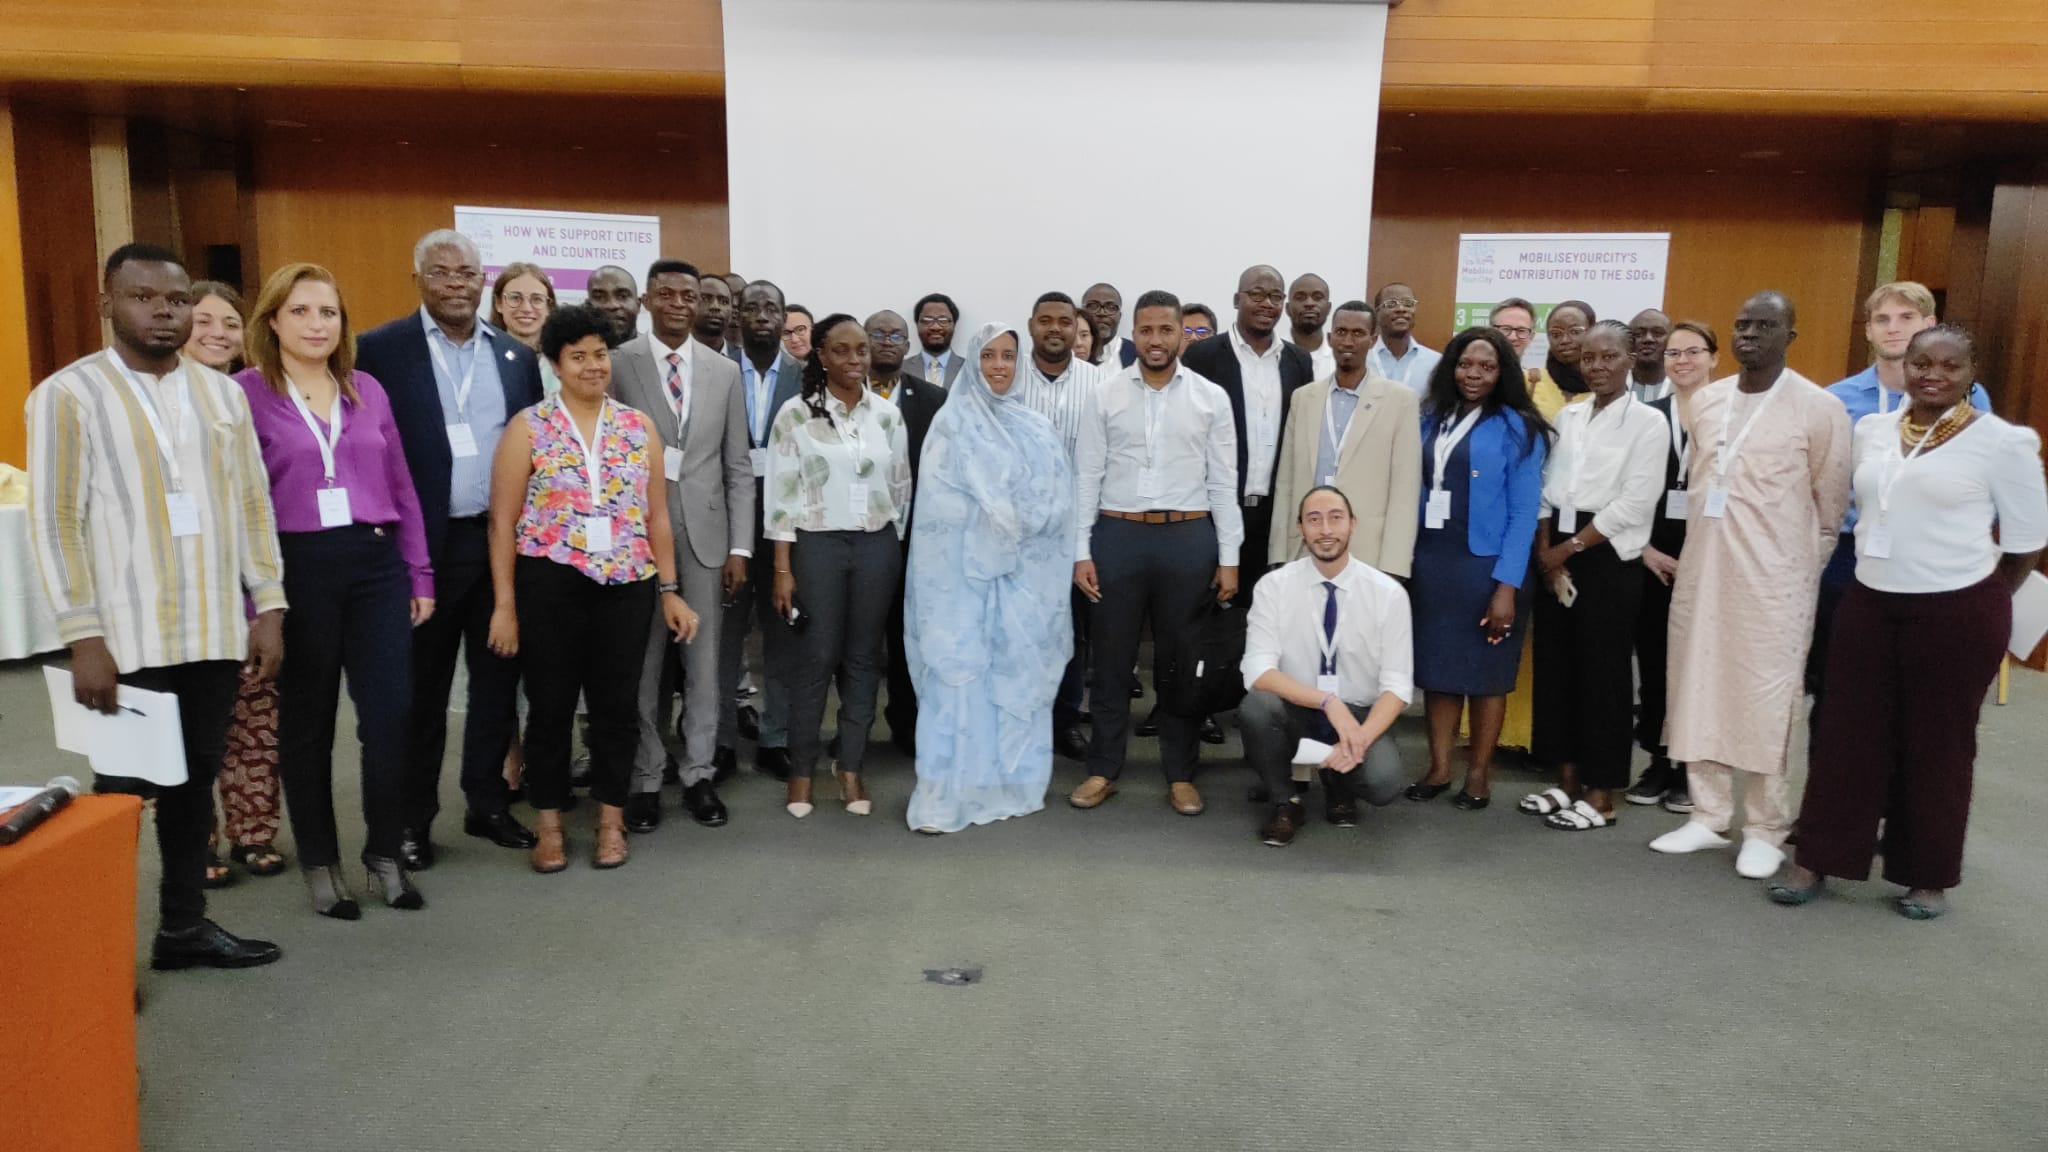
(1433, 980)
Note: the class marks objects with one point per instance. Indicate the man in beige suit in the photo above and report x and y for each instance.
(1363, 434)
(693, 395)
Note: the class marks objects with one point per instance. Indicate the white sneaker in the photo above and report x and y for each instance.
(1758, 860)
(1691, 836)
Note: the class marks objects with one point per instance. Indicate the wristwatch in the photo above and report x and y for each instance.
(666, 587)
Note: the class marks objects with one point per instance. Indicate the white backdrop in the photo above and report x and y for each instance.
(995, 149)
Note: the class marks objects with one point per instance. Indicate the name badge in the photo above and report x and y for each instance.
(334, 511)
(759, 458)
(1567, 520)
(672, 464)
(1439, 508)
(857, 499)
(461, 441)
(597, 534)
(1674, 504)
(1877, 543)
(1717, 503)
(1329, 481)
(183, 512)
(1328, 683)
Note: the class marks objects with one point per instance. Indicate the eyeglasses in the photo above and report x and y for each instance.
(934, 321)
(1197, 333)
(1511, 332)
(1263, 296)
(1101, 308)
(1576, 330)
(1408, 303)
(524, 300)
(453, 275)
(1687, 353)
(893, 339)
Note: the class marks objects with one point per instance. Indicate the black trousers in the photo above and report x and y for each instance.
(1258, 528)
(1156, 572)
(1653, 649)
(184, 812)
(1834, 581)
(1067, 704)
(1585, 682)
(901, 709)
(351, 599)
(461, 625)
(580, 638)
(845, 584)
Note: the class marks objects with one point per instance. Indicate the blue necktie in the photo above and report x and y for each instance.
(1321, 728)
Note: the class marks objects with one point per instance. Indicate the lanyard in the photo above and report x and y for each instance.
(1331, 435)
(434, 341)
(1892, 471)
(1155, 412)
(1884, 394)
(850, 435)
(1447, 438)
(1678, 446)
(166, 439)
(1726, 452)
(1581, 449)
(592, 468)
(327, 440)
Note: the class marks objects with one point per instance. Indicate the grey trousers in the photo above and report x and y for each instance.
(703, 591)
(844, 584)
(1272, 729)
(756, 600)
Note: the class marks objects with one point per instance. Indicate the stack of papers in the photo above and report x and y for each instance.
(143, 740)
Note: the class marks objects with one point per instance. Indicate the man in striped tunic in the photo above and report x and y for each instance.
(150, 519)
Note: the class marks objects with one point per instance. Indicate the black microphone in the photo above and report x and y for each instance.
(38, 808)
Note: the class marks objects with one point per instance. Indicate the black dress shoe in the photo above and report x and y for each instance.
(415, 851)
(725, 764)
(643, 812)
(1070, 742)
(701, 801)
(1212, 732)
(1339, 806)
(671, 772)
(772, 762)
(208, 945)
(499, 828)
(749, 722)
(1149, 726)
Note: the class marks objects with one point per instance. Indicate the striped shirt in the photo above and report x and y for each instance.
(100, 522)
(1063, 398)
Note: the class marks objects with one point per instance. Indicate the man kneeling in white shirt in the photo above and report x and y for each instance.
(1327, 657)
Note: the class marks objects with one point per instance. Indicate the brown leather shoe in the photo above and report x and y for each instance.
(611, 838)
(1092, 792)
(1184, 798)
(1279, 831)
(550, 851)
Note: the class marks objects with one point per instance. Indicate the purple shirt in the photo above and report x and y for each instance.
(368, 461)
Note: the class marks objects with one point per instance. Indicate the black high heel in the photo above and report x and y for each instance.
(1468, 802)
(390, 876)
(331, 897)
(1422, 793)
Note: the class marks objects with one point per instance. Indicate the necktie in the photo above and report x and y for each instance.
(1321, 728)
(675, 386)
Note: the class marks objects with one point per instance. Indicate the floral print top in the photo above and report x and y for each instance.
(845, 471)
(558, 492)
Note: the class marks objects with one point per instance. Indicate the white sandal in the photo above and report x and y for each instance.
(1580, 817)
(1545, 802)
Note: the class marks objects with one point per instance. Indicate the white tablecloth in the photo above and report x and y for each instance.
(26, 625)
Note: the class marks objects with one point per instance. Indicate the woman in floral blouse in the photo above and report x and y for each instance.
(579, 537)
(838, 497)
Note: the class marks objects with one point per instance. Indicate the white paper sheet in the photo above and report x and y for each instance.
(144, 740)
(16, 797)
(1312, 752)
(2029, 616)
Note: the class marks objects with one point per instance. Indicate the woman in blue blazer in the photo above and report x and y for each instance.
(1483, 446)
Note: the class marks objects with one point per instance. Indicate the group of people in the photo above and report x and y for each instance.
(593, 506)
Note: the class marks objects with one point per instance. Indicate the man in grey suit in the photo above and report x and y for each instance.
(770, 378)
(693, 395)
(936, 315)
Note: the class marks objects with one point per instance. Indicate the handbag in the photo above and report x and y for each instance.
(1207, 677)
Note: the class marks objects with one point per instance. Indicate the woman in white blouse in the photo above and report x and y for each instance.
(1601, 485)
(838, 493)
(1919, 633)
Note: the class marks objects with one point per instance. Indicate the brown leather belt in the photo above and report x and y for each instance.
(1156, 517)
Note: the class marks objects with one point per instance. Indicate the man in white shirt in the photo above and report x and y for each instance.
(1157, 525)
(1104, 307)
(1308, 306)
(1061, 387)
(1327, 657)
(1398, 356)
(936, 317)
(1648, 333)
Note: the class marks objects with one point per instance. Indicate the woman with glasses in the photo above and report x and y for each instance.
(986, 625)
(522, 299)
(1689, 362)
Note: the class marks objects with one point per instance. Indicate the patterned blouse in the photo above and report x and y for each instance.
(558, 492)
(845, 471)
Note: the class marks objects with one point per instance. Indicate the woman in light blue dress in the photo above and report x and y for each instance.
(986, 628)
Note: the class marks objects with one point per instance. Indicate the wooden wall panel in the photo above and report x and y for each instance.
(357, 207)
(15, 379)
(59, 239)
(1731, 235)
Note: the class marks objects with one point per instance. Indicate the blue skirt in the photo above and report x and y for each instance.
(1449, 594)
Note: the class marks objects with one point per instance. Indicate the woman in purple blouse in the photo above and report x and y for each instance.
(356, 573)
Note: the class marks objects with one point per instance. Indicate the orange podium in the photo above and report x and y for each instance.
(67, 945)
